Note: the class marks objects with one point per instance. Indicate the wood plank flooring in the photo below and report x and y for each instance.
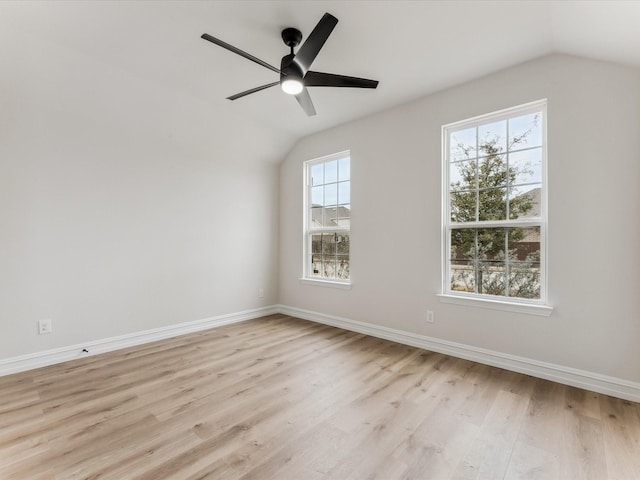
(282, 398)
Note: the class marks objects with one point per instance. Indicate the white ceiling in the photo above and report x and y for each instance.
(143, 64)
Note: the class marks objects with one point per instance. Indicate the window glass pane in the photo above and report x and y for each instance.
(316, 243)
(524, 267)
(462, 175)
(328, 244)
(524, 281)
(317, 217)
(344, 169)
(491, 269)
(525, 131)
(492, 204)
(316, 266)
(462, 274)
(344, 192)
(330, 217)
(463, 243)
(492, 138)
(524, 202)
(331, 171)
(317, 174)
(344, 216)
(524, 245)
(462, 144)
(317, 196)
(329, 266)
(492, 277)
(492, 171)
(491, 244)
(342, 246)
(463, 206)
(525, 167)
(331, 194)
(342, 267)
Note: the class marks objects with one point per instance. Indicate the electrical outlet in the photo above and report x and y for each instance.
(430, 316)
(260, 293)
(45, 326)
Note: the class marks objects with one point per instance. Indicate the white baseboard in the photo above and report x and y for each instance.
(616, 387)
(59, 355)
(596, 382)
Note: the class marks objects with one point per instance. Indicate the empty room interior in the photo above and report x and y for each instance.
(422, 266)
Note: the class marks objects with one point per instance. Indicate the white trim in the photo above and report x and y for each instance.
(325, 283)
(595, 382)
(505, 306)
(497, 115)
(72, 352)
(541, 222)
(308, 231)
(329, 157)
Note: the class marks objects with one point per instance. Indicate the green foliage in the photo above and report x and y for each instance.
(489, 173)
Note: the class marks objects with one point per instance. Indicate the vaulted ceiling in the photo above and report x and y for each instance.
(142, 65)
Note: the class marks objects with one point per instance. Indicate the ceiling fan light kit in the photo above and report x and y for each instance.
(292, 86)
(294, 72)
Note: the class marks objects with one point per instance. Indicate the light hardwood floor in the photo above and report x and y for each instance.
(282, 398)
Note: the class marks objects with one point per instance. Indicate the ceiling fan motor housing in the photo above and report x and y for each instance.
(291, 37)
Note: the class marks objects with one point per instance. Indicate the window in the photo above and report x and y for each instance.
(328, 218)
(495, 206)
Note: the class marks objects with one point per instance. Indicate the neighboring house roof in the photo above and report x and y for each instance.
(534, 196)
(337, 216)
(533, 235)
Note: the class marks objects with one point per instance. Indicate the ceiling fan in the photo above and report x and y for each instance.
(294, 72)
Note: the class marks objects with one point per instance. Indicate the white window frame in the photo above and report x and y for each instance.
(307, 278)
(513, 304)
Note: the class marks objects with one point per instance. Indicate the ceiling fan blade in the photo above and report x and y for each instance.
(320, 79)
(253, 90)
(304, 99)
(236, 50)
(314, 42)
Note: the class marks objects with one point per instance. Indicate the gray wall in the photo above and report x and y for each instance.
(119, 211)
(593, 232)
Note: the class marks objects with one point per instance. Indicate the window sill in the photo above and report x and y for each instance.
(526, 308)
(326, 283)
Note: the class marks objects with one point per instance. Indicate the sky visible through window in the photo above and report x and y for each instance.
(330, 183)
